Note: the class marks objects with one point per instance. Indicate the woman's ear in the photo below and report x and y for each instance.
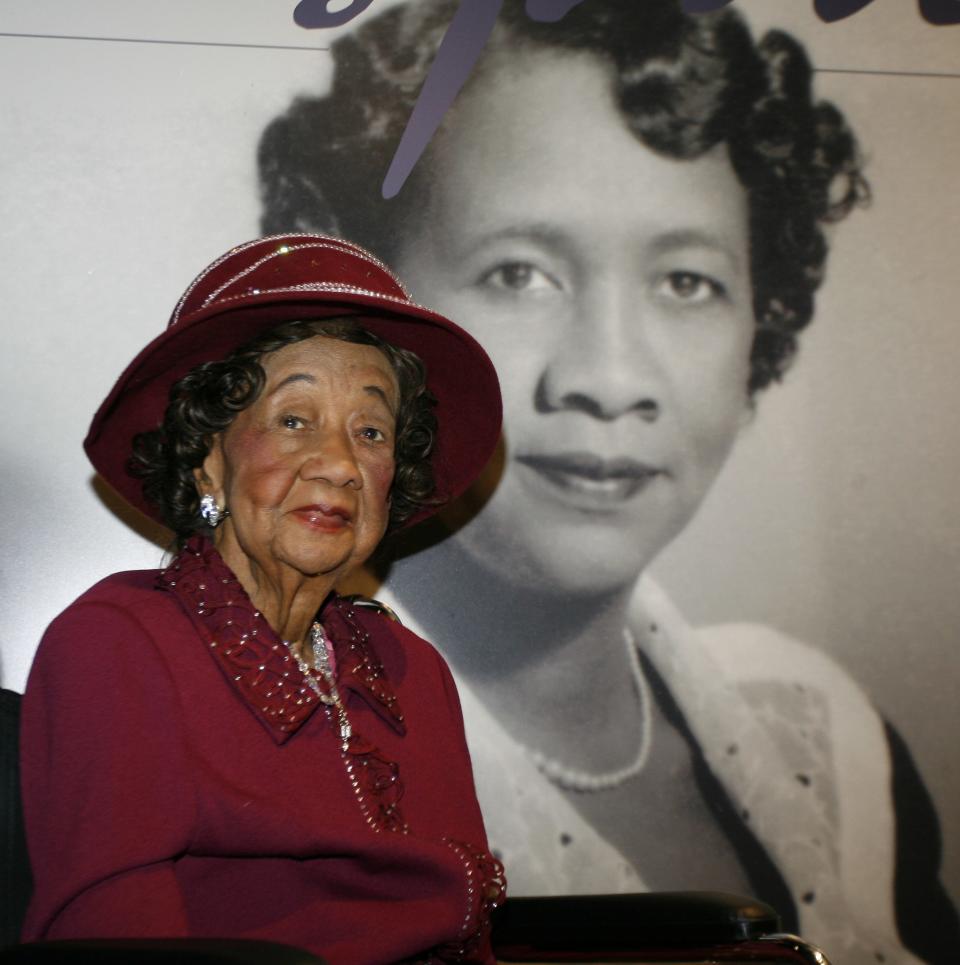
(209, 476)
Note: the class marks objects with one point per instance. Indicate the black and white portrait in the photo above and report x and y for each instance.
(701, 610)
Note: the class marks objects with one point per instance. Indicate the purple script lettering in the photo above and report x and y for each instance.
(550, 11)
(470, 29)
(706, 6)
(830, 10)
(941, 13)
(938, 12)
(314, 13)
(461, 46)
(459, 50)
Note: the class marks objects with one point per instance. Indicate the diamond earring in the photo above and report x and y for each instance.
(211, 511)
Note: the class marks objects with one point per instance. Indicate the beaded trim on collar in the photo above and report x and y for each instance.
(252, 656)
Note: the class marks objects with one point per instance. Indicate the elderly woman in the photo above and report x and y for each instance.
(626, 208)
(227, 747)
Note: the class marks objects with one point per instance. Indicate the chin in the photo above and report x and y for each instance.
(576, 559)
(317, 564)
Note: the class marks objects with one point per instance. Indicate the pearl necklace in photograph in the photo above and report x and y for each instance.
(571, 779)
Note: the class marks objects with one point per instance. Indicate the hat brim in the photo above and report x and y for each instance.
(459, 373)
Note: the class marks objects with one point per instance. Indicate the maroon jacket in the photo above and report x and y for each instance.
(180, 780)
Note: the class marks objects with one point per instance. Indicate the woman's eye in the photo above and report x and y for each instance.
(291, 422)
(518, 276)
(690, 287)
(372, 434)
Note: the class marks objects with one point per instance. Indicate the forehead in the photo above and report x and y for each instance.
(332, 361)
(539, 138)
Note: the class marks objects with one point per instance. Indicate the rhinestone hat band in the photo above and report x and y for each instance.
(284, 248)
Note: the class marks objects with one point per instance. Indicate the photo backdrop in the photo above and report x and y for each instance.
(129, 132)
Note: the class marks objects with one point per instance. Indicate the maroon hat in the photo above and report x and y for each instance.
(261, 284)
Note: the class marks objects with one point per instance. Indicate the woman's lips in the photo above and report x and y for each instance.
(590, 480)
(322, 516)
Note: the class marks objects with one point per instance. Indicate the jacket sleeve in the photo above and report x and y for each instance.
(108, 799)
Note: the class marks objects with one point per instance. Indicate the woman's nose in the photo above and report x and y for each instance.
(331, 458)
(604, 364)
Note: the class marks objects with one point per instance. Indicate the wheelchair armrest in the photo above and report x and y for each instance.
(622, 923)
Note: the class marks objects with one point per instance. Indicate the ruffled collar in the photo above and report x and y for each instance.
(255, 661)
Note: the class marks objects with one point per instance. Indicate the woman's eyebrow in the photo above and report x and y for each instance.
(539, 232)
(295, 377)
(377, 391)
(307, 377)
(695, 238)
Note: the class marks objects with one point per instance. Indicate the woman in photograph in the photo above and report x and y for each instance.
(626, 208)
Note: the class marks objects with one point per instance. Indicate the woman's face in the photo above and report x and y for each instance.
(306, 470)
(611, 288)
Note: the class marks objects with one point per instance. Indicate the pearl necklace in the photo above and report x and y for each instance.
(322, 648)
(571, 779)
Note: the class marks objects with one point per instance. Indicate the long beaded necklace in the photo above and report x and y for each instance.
(572, 779)
(323, 664)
